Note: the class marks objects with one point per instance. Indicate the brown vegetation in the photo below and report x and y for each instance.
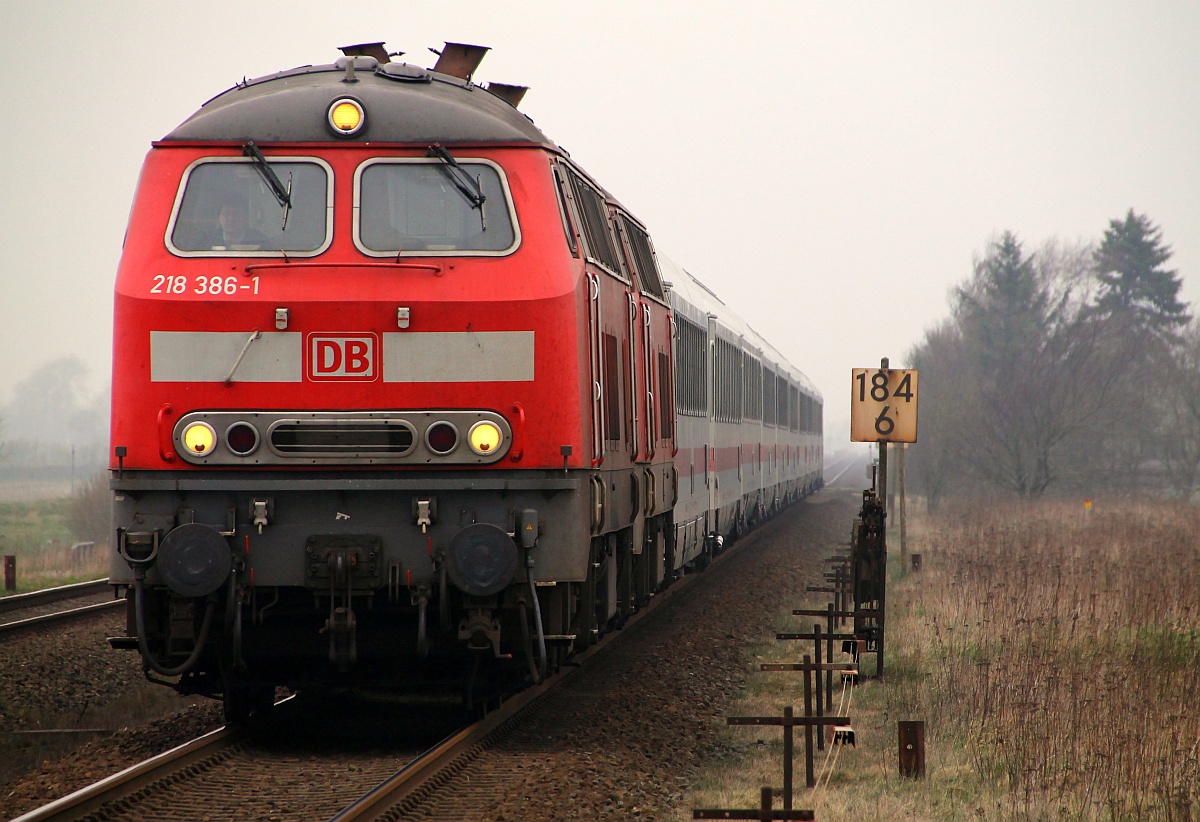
(1063, 649)
(1053, 654)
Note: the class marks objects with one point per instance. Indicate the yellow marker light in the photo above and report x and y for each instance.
(199, 439)
(484, 438)
(347, 116)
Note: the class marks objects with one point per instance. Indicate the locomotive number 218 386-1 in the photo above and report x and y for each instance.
(212, 286)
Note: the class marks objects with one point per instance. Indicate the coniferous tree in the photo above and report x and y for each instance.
(1004, 309)
(1135, 288)
(1139, 305)
(1005, 316)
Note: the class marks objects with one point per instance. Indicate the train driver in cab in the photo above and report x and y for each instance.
(234, 230)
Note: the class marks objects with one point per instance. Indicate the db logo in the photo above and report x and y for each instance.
(341, 357)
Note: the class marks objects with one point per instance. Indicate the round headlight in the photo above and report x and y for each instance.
(346, 117)
(241, 438)
(441, 437)
(484, 438)
(199, 439)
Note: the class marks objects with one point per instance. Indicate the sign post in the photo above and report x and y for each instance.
(883, 409)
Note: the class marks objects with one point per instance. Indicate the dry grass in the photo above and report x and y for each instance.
(13, 491)
(41, 534)
(1055, 659)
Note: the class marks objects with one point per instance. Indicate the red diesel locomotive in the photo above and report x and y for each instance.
(400, 394)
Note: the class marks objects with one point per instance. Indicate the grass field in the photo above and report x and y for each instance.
(40, 533)
(1055, 660)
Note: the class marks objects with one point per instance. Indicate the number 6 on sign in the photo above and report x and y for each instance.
(883, 405)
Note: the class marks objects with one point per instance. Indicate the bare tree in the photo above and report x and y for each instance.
(936, 461)
(1180, 440)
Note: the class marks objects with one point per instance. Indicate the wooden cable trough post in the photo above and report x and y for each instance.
(883, 409)
(763, 811)
(790, 721)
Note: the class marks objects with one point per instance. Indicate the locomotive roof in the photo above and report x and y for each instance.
(403, 103)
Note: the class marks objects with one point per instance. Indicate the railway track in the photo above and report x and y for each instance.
(143, 776)
(232, 767)
(413, 784)
(62, 604)
(307, 762)
(515, 752)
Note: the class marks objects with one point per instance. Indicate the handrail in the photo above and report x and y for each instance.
(436, 268)
(517, 449)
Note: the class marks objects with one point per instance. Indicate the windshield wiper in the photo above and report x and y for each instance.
(282, 194)
(463, 181)
(254, 335)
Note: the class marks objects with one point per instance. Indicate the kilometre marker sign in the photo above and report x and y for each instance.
(883, 405)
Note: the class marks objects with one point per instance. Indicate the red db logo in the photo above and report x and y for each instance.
(341, 357)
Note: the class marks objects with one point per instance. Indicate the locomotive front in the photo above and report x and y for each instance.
(349, 386)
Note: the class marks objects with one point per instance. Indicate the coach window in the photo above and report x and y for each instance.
(691, 369)
(424, 207)
(752, 386)
(781, 400)
(768, 396)
(227, 207)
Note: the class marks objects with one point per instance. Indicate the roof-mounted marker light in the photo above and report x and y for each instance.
(346, 117)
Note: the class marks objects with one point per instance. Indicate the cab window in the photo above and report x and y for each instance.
(227, 208)
(425, 207)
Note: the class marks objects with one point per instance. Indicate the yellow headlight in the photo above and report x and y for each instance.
(199, 438)
(346, 116)
(484, 438)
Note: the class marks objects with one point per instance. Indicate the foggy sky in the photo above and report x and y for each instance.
(828, 169)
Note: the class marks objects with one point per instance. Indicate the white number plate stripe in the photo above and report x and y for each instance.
(460, 356)
(207, 356)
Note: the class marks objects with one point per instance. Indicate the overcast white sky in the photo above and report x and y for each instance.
(829, 168)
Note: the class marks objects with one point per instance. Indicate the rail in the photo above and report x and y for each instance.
(16, 602)
(137, 777)
(59, 616)
(412, 782)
